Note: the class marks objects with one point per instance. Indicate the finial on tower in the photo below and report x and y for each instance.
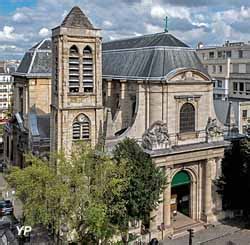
(166, 24)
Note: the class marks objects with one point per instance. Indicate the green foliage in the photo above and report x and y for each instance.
(145, 183)
(235, 180)
(74, 194)
(94, 194)
(1, 129)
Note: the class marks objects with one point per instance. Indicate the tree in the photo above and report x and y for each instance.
(235, 180)
(94, 193)
(145, 183)
(73, 193)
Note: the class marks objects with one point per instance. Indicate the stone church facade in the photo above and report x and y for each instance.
(152, 88)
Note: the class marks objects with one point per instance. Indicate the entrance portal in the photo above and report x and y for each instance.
(180, 193)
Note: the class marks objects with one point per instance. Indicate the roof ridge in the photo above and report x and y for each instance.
(150, 48)
(135, 37)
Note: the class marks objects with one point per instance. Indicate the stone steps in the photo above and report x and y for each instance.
(182, 231)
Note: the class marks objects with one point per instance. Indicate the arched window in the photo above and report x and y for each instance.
(81, 128)
(187, 118)
(87, 70)
(74, 79)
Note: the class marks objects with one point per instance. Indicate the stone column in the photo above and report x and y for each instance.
(108, 95)
(167, 200)
(123, 88)
(218, 199)
(208, 191)
(124, 103)
(164, 103)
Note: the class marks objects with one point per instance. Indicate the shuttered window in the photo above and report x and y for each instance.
(81, 128)
(74, 79)
(87, 70)
(76, 131)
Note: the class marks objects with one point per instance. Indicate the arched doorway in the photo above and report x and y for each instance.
(180, 193)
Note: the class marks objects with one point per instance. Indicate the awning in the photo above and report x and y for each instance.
(181, 178)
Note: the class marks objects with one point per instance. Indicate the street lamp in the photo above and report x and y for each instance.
(161, 227)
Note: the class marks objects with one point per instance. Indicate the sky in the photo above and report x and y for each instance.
(24, 22)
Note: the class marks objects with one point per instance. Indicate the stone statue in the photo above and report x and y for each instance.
(212, 129)
(156, 137)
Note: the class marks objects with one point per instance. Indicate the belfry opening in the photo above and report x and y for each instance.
(180, 193)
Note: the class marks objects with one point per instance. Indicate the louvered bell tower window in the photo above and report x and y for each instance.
(74, 75)
(81, 128)
(87, 70)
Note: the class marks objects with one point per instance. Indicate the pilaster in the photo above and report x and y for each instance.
(207, 216)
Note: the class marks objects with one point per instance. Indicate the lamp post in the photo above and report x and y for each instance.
(191, 235)
(161, 227)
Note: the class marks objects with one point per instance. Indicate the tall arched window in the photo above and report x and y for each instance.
(87, 70)
(81, 128)
(74, 75)
(187, 118)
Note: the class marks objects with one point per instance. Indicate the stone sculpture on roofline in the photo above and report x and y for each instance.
(213, 131)
(156, 137)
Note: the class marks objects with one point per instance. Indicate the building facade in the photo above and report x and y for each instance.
(76, 109)
(28, 129)
(229, 66)
(152, 88)
(6, 92)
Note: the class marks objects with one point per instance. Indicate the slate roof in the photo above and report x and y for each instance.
(77, 19)
(39, 125)
(152, 40)
(43, 123)
(37, 61)
(226, 109)
(150, 57)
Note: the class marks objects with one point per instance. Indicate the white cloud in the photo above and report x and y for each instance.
(20, 17)
(10, 48)
(159, 12)
(8, 34)
(191, 36)
(44, 32)
(153, 29)
(107, 23)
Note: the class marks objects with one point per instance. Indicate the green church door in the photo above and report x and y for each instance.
(180, 189)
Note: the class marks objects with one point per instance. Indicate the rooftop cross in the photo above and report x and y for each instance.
(166, 24)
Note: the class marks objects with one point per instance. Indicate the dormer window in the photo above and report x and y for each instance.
(87, 70)
(74, 75)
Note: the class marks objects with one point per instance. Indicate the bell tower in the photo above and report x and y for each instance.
(76, 109)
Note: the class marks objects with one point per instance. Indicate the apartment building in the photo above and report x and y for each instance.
(229, 66)
(6, 83)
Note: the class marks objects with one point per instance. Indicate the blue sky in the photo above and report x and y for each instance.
(25, 22)
(9, 6)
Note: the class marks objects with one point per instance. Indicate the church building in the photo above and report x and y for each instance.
(152, 88)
